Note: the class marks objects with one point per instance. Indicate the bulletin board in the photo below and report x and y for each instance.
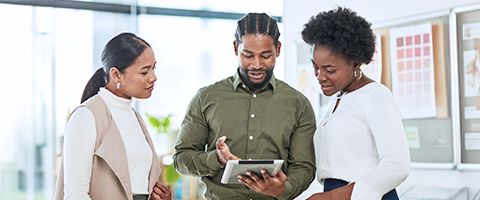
(416, 67)
(468, 51)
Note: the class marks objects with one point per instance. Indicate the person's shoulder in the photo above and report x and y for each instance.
(94, 103)
(221, 85)
(378, 92)
(377, 88)
(95, 99)
(285, 89)
(81, 114)
(97, 105)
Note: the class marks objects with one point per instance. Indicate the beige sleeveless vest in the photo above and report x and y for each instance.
(110, 178)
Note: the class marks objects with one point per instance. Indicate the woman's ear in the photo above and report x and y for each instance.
(114, 74)
(356, 66)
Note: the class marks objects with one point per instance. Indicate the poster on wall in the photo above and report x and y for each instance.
(413, 83)
(472, 141)
(471, 31)
(471, 70)
(413, 137)
(471, 112)
(374, 69)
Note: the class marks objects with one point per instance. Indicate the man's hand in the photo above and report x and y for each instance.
(223, 151)
(341, 193)
(161, 192)
(266, 184)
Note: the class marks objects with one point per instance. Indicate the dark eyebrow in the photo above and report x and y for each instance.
(313, 62)
(149, 66)
(247, 51)
(267, 52)
(251, 52)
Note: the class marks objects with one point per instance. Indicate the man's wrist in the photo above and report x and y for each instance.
(212, 161)
(287, 190)
(280, 192)
(219, 158)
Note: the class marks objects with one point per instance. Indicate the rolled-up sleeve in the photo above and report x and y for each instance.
(190, 157)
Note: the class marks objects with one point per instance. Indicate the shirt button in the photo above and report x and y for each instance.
(254, 95)
(251, 137)
(252, 115)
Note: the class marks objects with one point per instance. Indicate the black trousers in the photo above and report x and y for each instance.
(331, 184)
(140, 197)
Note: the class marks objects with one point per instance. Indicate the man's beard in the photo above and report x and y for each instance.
(255, 86)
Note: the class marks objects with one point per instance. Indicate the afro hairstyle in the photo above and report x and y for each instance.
(343, 32)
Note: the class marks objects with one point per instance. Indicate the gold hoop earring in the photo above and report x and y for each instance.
(360, 76)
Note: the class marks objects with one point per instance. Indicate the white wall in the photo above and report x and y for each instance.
(298, 12)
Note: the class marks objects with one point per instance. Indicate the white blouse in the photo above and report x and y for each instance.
(79, 143)
(364, 142)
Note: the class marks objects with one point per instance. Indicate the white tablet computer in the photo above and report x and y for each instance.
(240, 167)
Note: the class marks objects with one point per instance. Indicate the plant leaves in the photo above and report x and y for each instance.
(170, 174)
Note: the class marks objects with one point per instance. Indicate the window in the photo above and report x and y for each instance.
(45, 71)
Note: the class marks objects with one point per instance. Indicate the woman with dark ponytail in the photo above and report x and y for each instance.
(108, 153)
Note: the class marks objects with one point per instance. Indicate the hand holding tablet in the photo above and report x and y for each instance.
(240, 167)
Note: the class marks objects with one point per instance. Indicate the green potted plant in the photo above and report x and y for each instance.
(162, 126)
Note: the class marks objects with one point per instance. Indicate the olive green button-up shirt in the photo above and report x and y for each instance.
(276, 123)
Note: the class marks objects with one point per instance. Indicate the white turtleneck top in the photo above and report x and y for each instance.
(79, 143)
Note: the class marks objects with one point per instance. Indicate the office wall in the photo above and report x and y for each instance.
(298, 12)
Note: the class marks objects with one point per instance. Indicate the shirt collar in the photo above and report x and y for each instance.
(237, 81)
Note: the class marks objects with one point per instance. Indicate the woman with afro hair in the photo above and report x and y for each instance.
(360, 144)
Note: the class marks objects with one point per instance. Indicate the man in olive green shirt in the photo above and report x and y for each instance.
(250, 115)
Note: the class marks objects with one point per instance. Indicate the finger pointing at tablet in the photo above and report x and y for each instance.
(223, 151)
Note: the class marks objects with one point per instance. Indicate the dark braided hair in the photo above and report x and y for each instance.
(342, 31)
(257, 23)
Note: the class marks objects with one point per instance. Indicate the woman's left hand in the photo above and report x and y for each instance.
(161, 192)
(341, 193)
